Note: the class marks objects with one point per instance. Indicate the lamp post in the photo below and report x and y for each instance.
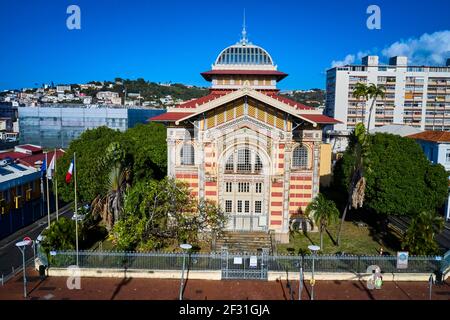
(185, 247)
(313, 249)
(22, 245)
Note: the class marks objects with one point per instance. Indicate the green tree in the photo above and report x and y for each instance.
(147, 143)
(324, 213)
(420, 236)
(91, 175)
(110, 205)
(401, 180)
(60, 235)
(157, 213)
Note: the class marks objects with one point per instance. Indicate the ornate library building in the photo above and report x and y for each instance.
(257, 154)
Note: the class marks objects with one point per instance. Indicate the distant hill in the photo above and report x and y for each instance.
(150, 91)
(313, 97)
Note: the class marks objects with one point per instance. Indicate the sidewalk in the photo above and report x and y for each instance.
(55, 288)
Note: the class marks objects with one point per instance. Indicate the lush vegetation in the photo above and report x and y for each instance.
(401, 180)
(143, 150)
(121, 176)
(158, 214)
(419, 238)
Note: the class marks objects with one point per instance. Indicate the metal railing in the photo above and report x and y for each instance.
(212, 261)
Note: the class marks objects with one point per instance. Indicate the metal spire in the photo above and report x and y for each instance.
(244, 39)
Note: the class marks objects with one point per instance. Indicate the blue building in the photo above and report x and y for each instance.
(436, 146)
(55, 126)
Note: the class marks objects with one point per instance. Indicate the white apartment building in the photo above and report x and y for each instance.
(417, 96)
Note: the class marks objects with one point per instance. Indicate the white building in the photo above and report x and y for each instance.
(418, 96)
(107, 95)
(63, 88)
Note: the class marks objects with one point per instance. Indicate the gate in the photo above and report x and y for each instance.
(246, 265)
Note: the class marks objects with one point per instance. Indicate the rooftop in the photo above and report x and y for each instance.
(433, 136)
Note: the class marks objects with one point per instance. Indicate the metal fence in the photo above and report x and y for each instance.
(213, 261)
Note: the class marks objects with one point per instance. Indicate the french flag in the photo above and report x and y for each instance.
(69, 173)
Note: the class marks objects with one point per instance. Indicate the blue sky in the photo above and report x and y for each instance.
(174, 41)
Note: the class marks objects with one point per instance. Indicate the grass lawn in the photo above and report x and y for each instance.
(354, 240)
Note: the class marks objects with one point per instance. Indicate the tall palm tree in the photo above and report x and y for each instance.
(419, 238)
(359, 144)
(361, 91)
(371, 91)
(324, 213)
(374, 91)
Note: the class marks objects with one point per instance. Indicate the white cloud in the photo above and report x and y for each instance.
(428, 49)
(349, 59)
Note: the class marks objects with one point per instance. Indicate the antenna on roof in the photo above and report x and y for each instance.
(244, 39)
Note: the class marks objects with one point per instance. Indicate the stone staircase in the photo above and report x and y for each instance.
(244, 241)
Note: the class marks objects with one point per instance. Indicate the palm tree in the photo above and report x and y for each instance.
(374, 91)
(419, 238)
(359, 144)
(110, 204)
(324, 213)
(361, 91)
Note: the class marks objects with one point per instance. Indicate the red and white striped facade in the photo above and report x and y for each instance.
(255, 153)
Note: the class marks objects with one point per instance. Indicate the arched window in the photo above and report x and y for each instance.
(187, 154)
(244, 161)
(229, 166)
(258, 164)
(300, 157)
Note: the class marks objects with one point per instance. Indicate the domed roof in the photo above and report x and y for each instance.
(244, 55)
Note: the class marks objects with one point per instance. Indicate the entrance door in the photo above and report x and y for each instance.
(244, 192)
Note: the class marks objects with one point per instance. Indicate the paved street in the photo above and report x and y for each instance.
(10, 256)
(55, 288)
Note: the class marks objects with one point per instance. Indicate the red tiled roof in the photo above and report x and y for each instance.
(280, 75)
(13, 155)
(171, 116)
(30, 147)
(434, 136)
(31, 160)
(320, 118)
(192, 103)
(292, 103)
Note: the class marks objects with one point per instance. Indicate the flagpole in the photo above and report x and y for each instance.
(76, 205)
(48, 198)
(55, 181)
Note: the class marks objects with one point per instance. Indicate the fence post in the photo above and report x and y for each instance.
(358, 268)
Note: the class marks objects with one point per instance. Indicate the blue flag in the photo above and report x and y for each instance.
(44, 167)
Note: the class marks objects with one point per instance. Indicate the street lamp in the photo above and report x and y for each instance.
(22, 246)
(77, 217)
(314, 250)
(185, 247)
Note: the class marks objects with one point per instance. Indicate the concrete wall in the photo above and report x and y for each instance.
(217, 275)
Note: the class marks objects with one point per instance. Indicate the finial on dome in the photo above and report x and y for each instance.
(244, 39)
